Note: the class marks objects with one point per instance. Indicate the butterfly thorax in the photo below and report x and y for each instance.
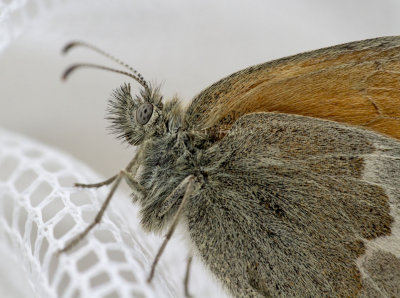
(166, 162)
(170, 150)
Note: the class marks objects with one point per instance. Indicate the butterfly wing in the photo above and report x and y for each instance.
(356, 83)
(294, 204)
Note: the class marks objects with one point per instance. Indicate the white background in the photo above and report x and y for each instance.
(186, 45)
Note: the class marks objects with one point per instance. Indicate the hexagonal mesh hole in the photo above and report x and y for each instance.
(25, 179)
(8, 165)
(54, 206)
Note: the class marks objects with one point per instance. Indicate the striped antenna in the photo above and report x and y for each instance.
(134, 73)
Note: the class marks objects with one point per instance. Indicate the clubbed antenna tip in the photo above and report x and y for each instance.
(68, 71)
(71, 45)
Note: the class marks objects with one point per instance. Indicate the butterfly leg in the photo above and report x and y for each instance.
(97, 185)
(130, 168)
(189, 183)
(116, 180)
(96, 220)
(136, 188)
(187, 275)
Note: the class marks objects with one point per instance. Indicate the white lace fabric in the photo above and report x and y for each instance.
(40, 211)
(15, 15)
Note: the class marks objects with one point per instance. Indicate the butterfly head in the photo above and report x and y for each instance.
(135, 118)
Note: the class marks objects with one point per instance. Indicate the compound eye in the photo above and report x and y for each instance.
(143, 113)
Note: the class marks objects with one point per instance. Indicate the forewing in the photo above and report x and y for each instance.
(356, 83)
(294, 205)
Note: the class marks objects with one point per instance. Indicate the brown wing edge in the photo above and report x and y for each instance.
(356, 83)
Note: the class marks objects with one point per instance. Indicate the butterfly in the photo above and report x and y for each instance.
(284, 175)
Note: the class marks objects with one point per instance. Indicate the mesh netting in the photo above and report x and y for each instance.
(15, 15)
(40, 211)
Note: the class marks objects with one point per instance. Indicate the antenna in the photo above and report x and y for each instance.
(134, 75)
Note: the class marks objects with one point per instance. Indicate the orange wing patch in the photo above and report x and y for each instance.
(356, 83)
